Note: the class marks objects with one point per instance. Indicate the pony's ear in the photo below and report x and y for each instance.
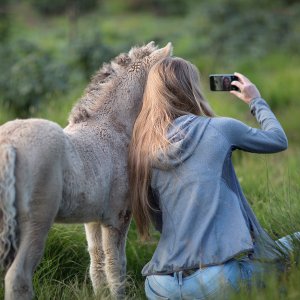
(137, 53)
(151, 44)
(149, 48)
(162, 52)
(123, 60)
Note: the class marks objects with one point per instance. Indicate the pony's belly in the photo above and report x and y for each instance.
(79, 210)
(76, 219)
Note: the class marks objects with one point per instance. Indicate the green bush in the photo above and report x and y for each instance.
(29, 76)
(4, 20)
(91, 52)
(161, 7)
(61, 6)
(235, 29)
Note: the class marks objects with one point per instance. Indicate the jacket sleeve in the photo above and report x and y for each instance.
(269, 139)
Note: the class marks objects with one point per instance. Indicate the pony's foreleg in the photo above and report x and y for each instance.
(94, 239)
(114, 244)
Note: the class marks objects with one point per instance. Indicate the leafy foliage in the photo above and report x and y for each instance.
(160, 7)
(91, 52)
(246, 28)
(29, 76)
(61, 6)
(4, 20)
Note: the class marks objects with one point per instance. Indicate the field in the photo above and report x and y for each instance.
(73, 49)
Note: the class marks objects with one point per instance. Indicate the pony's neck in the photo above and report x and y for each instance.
(121, 110)
(118, 106)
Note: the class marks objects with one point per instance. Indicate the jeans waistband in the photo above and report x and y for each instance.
(188, 272)
(184, 273)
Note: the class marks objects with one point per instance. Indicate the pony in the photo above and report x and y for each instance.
(74, 175)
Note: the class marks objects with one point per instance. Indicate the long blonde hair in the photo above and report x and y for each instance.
(172, 90)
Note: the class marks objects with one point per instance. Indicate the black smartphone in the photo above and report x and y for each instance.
(222, 82)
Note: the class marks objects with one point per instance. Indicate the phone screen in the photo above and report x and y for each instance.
(222, 82)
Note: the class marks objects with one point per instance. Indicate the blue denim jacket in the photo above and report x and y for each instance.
(205, 218)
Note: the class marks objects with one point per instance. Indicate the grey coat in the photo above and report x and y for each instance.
(203, 216)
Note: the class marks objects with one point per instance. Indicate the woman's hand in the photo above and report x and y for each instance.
(248, 90)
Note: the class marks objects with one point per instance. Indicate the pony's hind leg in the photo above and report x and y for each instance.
(94, 239)
(33, 225)
(18, 279)
(114, 244)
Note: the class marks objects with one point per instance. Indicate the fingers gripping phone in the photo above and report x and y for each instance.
(222, 82)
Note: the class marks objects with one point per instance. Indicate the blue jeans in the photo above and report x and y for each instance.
(216, 282)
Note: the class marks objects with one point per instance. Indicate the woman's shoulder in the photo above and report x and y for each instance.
(227, 127)
(224, 121)
(220, 123)
(189, 121)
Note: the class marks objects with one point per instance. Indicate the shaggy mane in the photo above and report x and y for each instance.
(105, 80)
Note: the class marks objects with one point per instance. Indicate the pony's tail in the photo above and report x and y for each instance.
(8, 243)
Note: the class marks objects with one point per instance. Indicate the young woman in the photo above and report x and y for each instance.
(183, 181)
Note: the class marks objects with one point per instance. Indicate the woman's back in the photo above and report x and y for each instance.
(182, 154)
(206, 219)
